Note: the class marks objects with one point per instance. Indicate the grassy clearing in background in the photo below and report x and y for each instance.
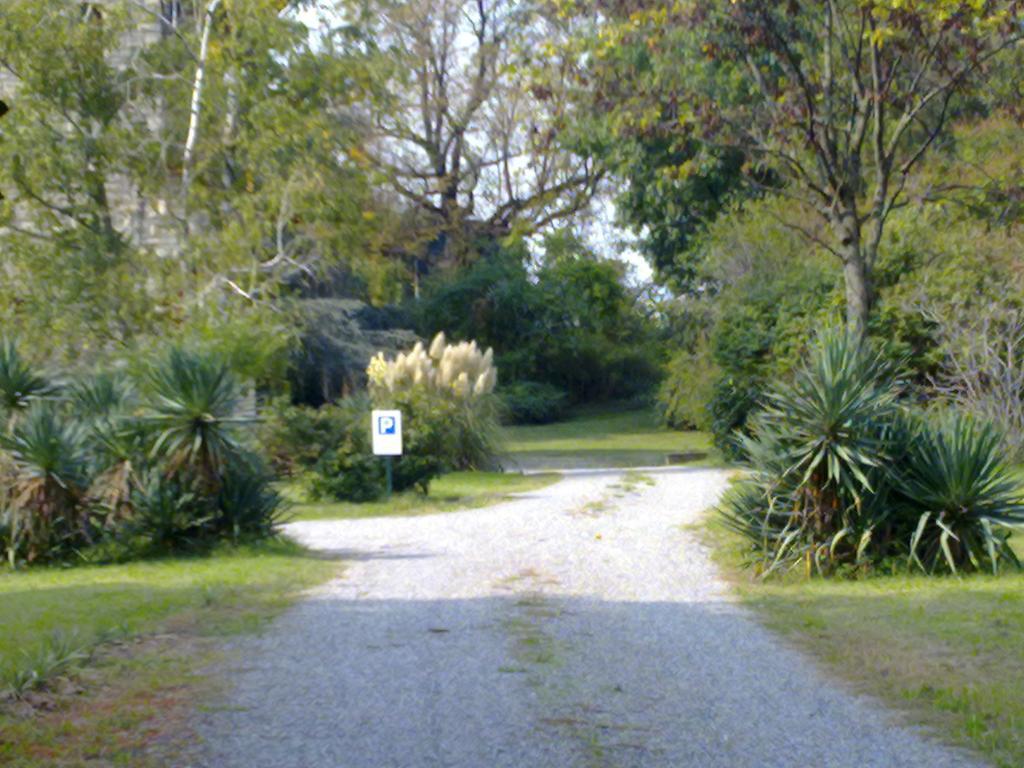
(603, 437)
(948, 651)
(162, 613)
(458, 490)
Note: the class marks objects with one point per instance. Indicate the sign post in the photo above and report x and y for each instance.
(387, 438)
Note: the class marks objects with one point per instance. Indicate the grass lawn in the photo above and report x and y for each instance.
(160, 620)
(605, 436)
(458, 490)
(949, 652)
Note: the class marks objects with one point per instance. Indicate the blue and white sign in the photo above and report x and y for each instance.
(387, 433)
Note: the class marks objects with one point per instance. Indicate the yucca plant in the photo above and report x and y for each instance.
(248, 504)
(46, 499)
(818, 457)
(102, 396)
(193, 409)
(104, 403)
(960, 496)
(20, 383)
(117, 451)
(167, 515)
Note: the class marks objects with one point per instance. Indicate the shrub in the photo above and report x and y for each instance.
(347, 468)
(687, 389)
(347, 474)
(819, 455)
(167, 515)
(960, 496)
(192, 407)
(293, 438)
(733, 400)
(844, 475)
(531, 402)
(102, 396)
(570, 321)
(447, 396)
(88, 471)
(248, 506)
(20, 384)
(45, 506)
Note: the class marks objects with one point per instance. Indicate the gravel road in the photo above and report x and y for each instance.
(580, 625)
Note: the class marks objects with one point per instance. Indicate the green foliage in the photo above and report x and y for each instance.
(336, 340)
(573, 325)
(102, 396)
(192, 406)
(89, 476)
(99, 253)
(688, 389)
(830, 104)
(772, 296)
(293, 438)
(955, 482)
(531, 402)
(843, 476)
(60, 652)
(349, 472)
(166, 515)
(447, 395)
(248, 506)
(819, 449)
(343, 466)
(329, 447)
(45, 487)
(20, 383)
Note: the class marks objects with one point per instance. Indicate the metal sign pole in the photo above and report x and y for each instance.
(387, 441)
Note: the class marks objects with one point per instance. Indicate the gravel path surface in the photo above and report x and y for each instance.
(575, 626)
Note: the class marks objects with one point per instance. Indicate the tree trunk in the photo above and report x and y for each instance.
(856, 271)
(195, 109)
(858, 293)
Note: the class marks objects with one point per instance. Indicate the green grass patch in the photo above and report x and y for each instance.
(161, 618)
(455, 491)
(948, 651)
(606, 436)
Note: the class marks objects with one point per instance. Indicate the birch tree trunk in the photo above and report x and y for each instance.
(195, 110)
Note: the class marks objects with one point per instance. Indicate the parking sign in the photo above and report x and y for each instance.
(387, 433)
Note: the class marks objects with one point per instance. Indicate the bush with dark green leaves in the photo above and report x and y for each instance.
(143, 466)
(958, 496)
(573, 323)
(45, 485)
(845, 477)
(532, 402)
(330, 448)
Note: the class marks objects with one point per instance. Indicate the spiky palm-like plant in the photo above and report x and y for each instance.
(193, 408)
(961, 496)
(819, 456)
(46, 498)
(104, 395)
(20, 383)
(104, 402)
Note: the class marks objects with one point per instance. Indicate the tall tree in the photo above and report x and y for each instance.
(832, 103)
(470, 131)
(106, 129)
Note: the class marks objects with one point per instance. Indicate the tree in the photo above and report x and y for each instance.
(74, 130)
(108, 134)
(833, 104)
(469, 132)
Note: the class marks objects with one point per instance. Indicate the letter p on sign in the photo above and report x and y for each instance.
(387, 433)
